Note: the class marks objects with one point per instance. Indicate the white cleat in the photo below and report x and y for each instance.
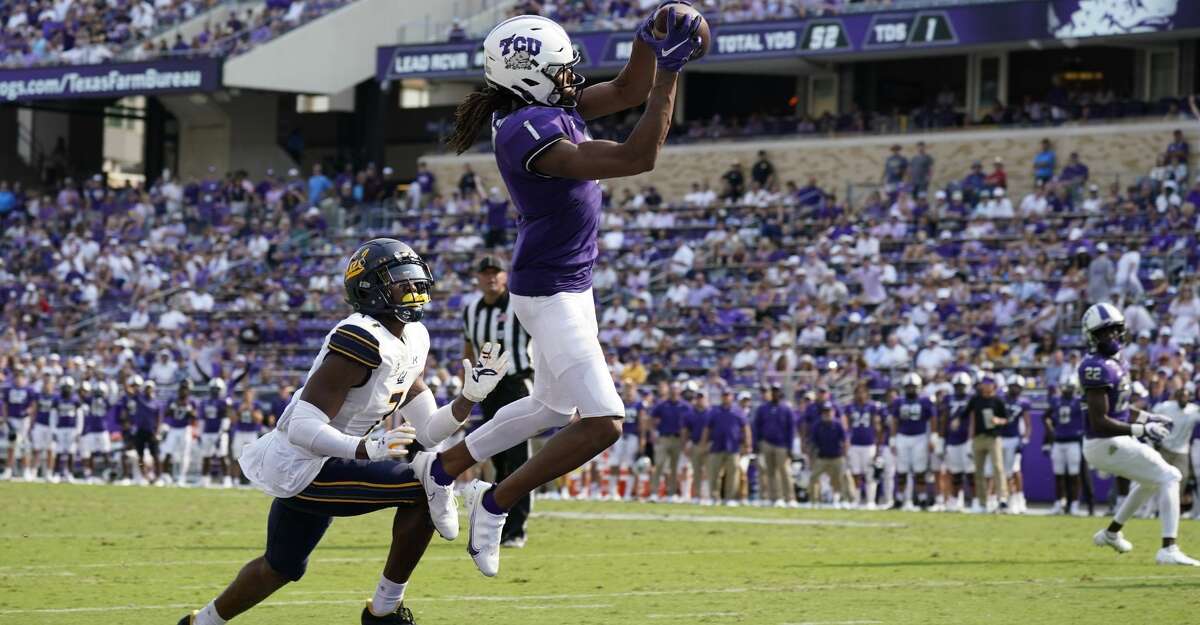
(1116, 541)
(443, 506)
(1175, 556)
(483, 542)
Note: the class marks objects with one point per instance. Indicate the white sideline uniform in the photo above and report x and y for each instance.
(178, 442)
(861, 459)
(17, 427)
(281, 469)
(66, 440)
(1065, 457)
(959, 458)
(240, 440)
(624, 452)
(571, 370)
(213, 444)
(40, 437)
(912, 453)
(95, 443)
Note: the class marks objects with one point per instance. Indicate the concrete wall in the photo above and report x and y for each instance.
(332, 53)
(225, 131)
(1124, 150)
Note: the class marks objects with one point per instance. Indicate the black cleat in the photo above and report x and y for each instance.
(402, 616)
(189, 619)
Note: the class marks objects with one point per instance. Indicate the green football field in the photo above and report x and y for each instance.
(137, 556)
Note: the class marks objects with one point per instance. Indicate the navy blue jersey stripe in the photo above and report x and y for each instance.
(354, 348)
(360, 333)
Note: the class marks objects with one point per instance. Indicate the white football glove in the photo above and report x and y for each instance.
(1153, 431)
(389, 445)
(1153, 417)
(479, 379)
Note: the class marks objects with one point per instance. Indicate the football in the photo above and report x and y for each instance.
(683, 13)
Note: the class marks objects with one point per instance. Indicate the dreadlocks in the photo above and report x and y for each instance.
(475, 112)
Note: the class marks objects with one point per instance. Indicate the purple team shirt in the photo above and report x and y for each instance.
(696, 421)
(1097, 371)
(953, 406)
(212, 411)
(1017, 409)
(17, 400)
(67, 411)
(671, 415)
(559, 217)
(1068, 419)
(775, 424)
(179, 414)
(862, 422)
(827, 437)
(45, 405)
(629, 425)
(726, 426)
(912, 415)
(94, 412)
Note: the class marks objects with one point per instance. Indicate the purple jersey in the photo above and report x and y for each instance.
(66, 411)
(17, 400)
(862, 422)
(696, 421)
(671, 415)
(630, 424)
(1017, 409)
(245, 421)
(775, 424)
(94, 412)
(828, 437)
(45, 406)
(1096, 371)
(145, 418)
(726, 427)
(559, 217)
(956, 427)
(127, 408)
(912, 415)
(212, 412)
(179, 413)
(1068, 419)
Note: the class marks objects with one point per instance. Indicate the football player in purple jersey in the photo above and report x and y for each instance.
(67, 420)
(1013, 437)
(913, 418)
(866, 430)
(214, 434)
(1111, 440)
(1064, 420)
(42, 432)
(537, 108)
(18, 405)
(95, 443)
(956, 430)
(628, 448)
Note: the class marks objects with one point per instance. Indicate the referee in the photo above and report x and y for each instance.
(489, 317)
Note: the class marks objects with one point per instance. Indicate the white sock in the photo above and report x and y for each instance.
(208, 615)
(1168, 509)
(388, 595)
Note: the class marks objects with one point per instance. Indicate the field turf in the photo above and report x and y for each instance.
(137, 556)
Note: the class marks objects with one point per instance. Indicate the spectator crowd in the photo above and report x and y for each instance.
(755, 289)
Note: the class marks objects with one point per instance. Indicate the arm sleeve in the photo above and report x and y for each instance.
(309, 429)
(433, 424)
(356, 344)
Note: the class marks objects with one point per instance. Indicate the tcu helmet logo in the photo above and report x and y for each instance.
(522, 49)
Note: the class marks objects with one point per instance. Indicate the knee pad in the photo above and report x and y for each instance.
(1170, 477)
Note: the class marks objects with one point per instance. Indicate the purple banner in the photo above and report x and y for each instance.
(110, 80)
(972, 25)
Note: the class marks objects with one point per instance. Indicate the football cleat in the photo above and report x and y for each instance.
(483, 542)
(1116, 541)
(189, 619)
(443, 505)
(1174, 555)
(402, 616)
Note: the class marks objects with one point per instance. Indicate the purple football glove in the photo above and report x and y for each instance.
(679, 45)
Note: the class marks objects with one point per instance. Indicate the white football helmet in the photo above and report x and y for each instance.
(911, 379)
(961, 378)
(1016, 379)
(527, 55)
(216, 386)
(1099, 317)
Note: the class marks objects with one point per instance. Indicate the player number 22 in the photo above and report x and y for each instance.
(1092, 373)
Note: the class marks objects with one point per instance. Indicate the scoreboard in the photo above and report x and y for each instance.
(899, 30)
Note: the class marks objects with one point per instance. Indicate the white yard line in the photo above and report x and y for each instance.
(578, 606)
(30, 570)
(704, 518)
(692, 615)
(636, 593)
(835, 623)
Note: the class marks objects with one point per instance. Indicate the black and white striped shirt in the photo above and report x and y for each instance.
(496, 322)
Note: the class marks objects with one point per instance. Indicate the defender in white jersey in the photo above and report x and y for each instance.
(327, 457)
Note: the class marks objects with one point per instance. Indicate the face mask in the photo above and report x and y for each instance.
(1108, 347)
